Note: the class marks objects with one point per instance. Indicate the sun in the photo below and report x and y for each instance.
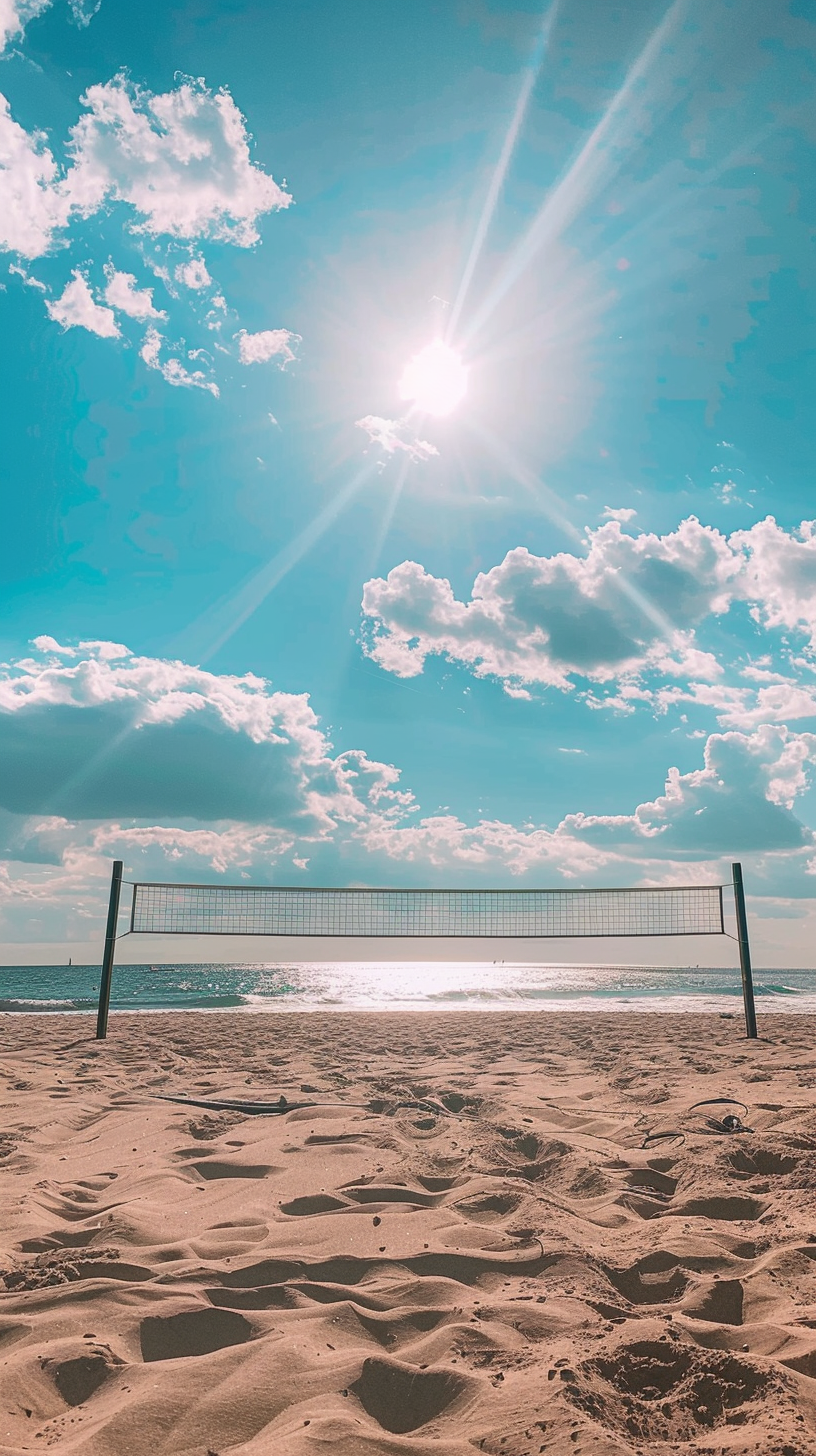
(435, 380)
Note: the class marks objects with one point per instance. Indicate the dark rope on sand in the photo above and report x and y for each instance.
(729, 1124)
(268, 1109)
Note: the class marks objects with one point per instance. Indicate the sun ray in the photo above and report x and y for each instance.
(60, 802)
(547, 499)
(389, 512)
(552, 506)
(217, 624)
(562, 205)
(531, 76)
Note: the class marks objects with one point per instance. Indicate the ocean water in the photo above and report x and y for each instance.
(413, 986)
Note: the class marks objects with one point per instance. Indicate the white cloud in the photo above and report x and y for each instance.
(83, 12)
(77, 308)
(151, 348)
(50, 644)
(780, 574)
(743, 707)
(28, 279)
(122, 293)
(193, 274)
(181, 160)
(444, 840)
(740, 801)
(631, 602)
(15, 15)
(192, 744)
(184, 771)
(622, 514)
(386, 434)
(269, 344)
(32, 210)
(172, 370)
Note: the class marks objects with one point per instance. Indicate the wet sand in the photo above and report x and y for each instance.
(468, 1242)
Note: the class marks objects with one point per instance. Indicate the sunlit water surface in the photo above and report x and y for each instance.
(388, 986)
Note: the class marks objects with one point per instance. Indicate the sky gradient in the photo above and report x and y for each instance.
(264, 619)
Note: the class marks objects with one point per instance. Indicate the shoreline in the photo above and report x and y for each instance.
(560, 1008)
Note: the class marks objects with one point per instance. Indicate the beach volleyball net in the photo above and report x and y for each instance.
(162, 909)
(159, 908)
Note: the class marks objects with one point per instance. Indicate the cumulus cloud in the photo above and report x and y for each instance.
(106, 734)
(15, 15)
(28, 279)
(180, 160)
(173, 370)
(443, 840)
(388, 435)
(739, 802)
(780, 574)
(122, 293)
(178, 163)
(32, 209)
(191, 774)
(620, 513)
(76, 308)
(269, 344)
(193, 274)
(737, 707)
(632, 603)
(629, 603)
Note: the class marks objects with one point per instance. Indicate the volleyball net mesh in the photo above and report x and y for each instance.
(275, 910)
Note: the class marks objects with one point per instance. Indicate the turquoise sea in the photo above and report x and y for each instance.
(390, 986)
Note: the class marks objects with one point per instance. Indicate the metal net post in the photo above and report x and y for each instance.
(744, 953)
(110, 950)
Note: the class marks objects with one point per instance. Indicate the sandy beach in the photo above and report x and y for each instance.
(470, 1236)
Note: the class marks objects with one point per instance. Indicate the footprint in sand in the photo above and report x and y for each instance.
(192, 1332)
(79, 1371)
(657, 1278)
(660, 1390)
(401, 1398)
(488, 1207)
(218, 1168)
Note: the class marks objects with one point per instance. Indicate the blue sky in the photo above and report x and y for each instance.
(268, 617)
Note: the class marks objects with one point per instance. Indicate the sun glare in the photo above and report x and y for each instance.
(435, 380)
